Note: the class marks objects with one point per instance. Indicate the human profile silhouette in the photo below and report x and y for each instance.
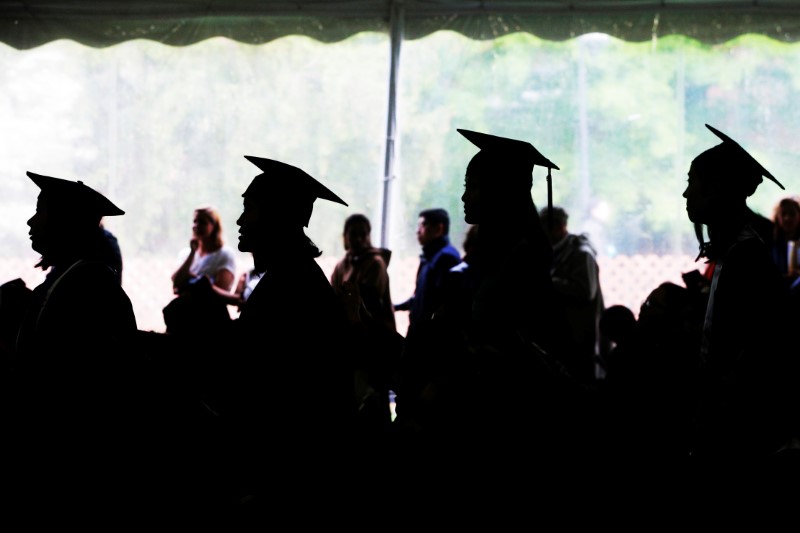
(743, 408)
(514, 246)
(76, 401)
(503, 388)
(73, 304)
(287, 389)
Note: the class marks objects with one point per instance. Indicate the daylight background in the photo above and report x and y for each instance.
(163, 129)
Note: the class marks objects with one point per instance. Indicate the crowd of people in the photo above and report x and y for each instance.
(511, 365)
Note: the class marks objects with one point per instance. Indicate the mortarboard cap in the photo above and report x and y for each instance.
(287, 188)
(516, 154)
(731, 157)
(75, 195)
(506, 148)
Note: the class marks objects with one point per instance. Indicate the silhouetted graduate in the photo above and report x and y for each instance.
(746, 372)
(503, 394)
(75, 398)
(514, 247)
(290, 393)
(73, 307)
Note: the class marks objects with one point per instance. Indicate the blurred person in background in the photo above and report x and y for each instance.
(785, 251)
(576, 279)
(203, 281)
(361, 281)
(207, 254)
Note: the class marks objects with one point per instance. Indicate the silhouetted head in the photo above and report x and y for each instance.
(497, 195)
(285, 192)
(618, 323)
(67, 218)
(499, 176)
(356, 233)
(557, 230)
(277, 206)
(721, 179)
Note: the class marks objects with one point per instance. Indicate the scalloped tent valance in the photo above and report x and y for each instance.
(99, 23)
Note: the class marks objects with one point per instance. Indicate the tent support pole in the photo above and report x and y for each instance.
(396, 24)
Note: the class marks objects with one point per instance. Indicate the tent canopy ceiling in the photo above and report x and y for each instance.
(99, 23)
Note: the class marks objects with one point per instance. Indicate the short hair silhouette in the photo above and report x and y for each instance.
(436, 215)
(559, 214)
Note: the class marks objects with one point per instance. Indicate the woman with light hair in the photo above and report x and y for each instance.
(203, 281)
(207, 255)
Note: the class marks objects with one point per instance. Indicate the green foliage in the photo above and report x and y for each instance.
(622, 120)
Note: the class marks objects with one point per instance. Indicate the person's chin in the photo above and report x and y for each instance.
(36, 246)
(243, 246)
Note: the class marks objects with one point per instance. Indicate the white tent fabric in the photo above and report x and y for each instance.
(27, 24)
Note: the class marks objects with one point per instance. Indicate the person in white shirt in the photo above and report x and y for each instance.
(207, 255)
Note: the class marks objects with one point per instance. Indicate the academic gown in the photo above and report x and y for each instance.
(76, 404)
(288, 391)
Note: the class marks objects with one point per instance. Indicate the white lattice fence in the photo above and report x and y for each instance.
(626, 280)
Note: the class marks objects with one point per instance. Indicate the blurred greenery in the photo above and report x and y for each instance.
(622, 120)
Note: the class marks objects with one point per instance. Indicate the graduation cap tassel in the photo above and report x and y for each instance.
(549, 198)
